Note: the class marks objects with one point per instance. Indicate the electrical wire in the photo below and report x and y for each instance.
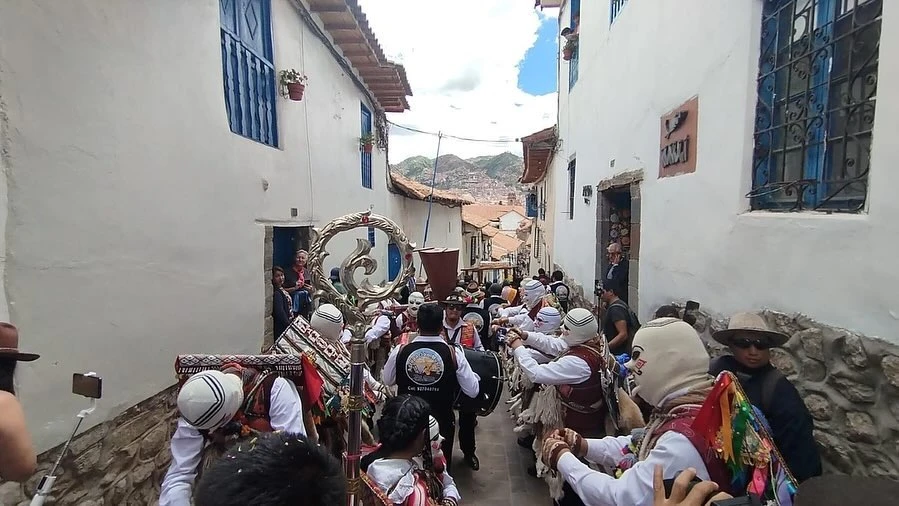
(457, 137)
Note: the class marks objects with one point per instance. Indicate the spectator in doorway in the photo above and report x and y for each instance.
(616, 276)
(335, 280)
(750, 340)
(18, 460)
(298, 284)
(620, 323)
(282, 313)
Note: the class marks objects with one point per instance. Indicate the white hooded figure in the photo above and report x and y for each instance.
(327, 320)
(207, 402)
(533, 292)
(410, 317)
(544, 342)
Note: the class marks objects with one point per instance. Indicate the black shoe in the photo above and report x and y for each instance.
(526, 442)
(473, 462)
(532, 471)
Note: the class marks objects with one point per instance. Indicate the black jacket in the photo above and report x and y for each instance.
(791, 422)
(280, 311)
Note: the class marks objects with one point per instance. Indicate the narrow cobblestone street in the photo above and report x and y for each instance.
(502, 479)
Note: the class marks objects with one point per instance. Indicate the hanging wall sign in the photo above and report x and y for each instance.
(677, 146)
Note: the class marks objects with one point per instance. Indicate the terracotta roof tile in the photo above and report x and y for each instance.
(418, 191)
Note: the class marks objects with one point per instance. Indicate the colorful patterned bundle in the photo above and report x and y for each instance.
(738, 433)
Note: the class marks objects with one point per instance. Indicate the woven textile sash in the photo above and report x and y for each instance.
(288, 366)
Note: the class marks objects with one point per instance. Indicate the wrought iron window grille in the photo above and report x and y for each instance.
(817, 90)
(615, 8)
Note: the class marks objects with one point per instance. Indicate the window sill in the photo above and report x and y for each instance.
(803, 215)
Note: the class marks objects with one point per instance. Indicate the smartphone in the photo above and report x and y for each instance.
(87, 385)
(669, 484)
(692, 305)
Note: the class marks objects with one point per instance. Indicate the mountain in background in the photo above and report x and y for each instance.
(488, 179)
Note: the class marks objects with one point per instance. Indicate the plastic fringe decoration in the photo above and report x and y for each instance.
(731, 425)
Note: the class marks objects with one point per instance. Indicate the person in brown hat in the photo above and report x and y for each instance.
(18, 460)
(750, 341)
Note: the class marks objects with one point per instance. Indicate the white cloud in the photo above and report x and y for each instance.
(461, 57)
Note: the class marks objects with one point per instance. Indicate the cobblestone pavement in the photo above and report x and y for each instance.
(502, 479)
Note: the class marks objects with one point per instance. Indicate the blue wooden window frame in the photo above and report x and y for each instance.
(574, 24)
(248, 69)
(366, 129)
(531, 205)
(806, 122)
(371, 236)
(615, 8)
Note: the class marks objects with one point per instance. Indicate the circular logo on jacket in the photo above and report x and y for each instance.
(424, 367)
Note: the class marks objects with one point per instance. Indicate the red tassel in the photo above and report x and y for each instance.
(313, 382)
(708, 420)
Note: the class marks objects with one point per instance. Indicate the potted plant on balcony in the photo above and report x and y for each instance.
(568, 49)
(294, 82)
(367, 142)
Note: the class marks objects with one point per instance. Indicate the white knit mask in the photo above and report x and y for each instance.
(327, 320)
(533, 292)
(579, 327)
(416, 299)
(668, 356)
(548, 320)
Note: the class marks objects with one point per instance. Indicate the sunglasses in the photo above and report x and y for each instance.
(745, 344)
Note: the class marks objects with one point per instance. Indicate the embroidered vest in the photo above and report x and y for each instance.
(410, 324)
(682, 424)
(463, 336)
(583, 405)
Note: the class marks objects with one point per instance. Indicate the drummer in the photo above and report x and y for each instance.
(435, 371)
(461, 333)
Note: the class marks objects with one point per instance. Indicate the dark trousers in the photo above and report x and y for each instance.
(466, 432)
(447, 423)
(570, 498)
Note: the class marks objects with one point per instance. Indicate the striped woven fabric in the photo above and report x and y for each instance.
(285, 365)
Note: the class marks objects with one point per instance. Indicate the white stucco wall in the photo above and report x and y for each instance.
(698, 239)
(510, 221)
(444, 231)
(135, 214)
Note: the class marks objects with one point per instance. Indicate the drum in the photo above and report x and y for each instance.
(488, 366)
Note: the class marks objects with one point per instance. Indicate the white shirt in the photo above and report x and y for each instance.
(286, 414)
(673, 452)
(508, 312)
(467, 378)
(454, 333)
(398, 475)
(548, 344)
(346, 336)
(523, 320)
(567, 370)
(381, 327)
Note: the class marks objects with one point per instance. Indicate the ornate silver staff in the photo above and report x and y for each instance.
(365, 294)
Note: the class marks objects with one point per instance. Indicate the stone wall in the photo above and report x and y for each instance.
(120, 462)
(579, 296)
(850, 384)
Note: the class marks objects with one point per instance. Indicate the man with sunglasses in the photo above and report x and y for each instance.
(750, 341)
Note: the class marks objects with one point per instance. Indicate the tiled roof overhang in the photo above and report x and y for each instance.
(349, 29)
(538, 149)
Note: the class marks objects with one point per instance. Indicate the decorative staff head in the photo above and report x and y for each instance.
(364, 292)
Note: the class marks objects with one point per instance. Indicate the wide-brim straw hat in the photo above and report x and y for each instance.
(751, 324)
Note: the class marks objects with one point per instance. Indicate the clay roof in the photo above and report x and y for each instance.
(474, 220)
(415, 190)
(489, 212)
(490, 231)
(349, 29)
(484, 266)
(506, 242)
(538, 149)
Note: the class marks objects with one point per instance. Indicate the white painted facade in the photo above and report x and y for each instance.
(698, 240)
(444, 231)
(510, 221)
(136, 218)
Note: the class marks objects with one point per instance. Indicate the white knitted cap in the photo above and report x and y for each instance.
(433, 428)
(580, 326)
(533, 291)
(327, 320)
(668, 356)
(210, 399)
(548, 320)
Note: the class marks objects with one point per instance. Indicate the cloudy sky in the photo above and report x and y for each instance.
(483, 69)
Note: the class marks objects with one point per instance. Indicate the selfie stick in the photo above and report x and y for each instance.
(43, 488)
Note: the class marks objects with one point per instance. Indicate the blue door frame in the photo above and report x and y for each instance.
(394, 261)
